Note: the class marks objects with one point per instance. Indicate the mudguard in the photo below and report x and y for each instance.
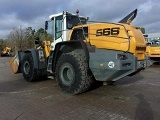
(40, 61)
(68, 46)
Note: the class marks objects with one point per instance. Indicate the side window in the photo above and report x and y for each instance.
(74, 21)
(50, 29)
(78, 34)
(58, 27)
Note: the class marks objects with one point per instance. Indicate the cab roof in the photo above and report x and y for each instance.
(64, 13)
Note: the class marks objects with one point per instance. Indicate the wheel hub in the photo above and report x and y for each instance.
(26, 67)
(67, 73)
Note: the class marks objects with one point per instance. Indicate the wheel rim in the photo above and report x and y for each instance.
(26, 67)
(67, 73)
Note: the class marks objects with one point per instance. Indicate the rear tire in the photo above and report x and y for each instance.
(28, 71)
(72, 73)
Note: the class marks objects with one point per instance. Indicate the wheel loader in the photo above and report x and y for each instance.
(6, 52)
(153, 50)
(83, 51)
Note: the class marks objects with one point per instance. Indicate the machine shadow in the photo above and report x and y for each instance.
(143, 111)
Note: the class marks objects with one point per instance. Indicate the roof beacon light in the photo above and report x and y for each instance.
(77, 11)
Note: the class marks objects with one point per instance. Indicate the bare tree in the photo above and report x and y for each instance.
(29, 37)
(20, 39)
(2, 44)
(16, 37)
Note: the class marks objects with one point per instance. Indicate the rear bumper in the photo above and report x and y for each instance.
(141, 65)
(105, 65)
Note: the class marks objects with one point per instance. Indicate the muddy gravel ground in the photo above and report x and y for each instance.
(131, 98)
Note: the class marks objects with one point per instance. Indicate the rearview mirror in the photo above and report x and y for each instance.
(46, 25)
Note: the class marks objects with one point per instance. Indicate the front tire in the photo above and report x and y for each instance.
(72, 73)
(28, 71)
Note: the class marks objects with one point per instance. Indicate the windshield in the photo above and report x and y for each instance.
(155, 43)
(74, 21)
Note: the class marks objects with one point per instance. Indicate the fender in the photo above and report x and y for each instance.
(39, 58)
(68, 46)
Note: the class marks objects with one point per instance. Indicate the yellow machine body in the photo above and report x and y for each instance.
(46, 46)
(120, 37)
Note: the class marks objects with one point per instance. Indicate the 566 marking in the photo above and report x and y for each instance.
(107, 31)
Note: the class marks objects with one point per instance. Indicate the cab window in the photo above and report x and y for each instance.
(74, 21)
(58, 26)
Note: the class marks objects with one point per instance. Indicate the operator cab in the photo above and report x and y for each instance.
(155, 43)
(61, 24)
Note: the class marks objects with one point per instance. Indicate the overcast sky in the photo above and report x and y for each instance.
(33, 13)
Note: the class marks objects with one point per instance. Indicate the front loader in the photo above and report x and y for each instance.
(83, 51)
(5, 52)
(153, 50)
